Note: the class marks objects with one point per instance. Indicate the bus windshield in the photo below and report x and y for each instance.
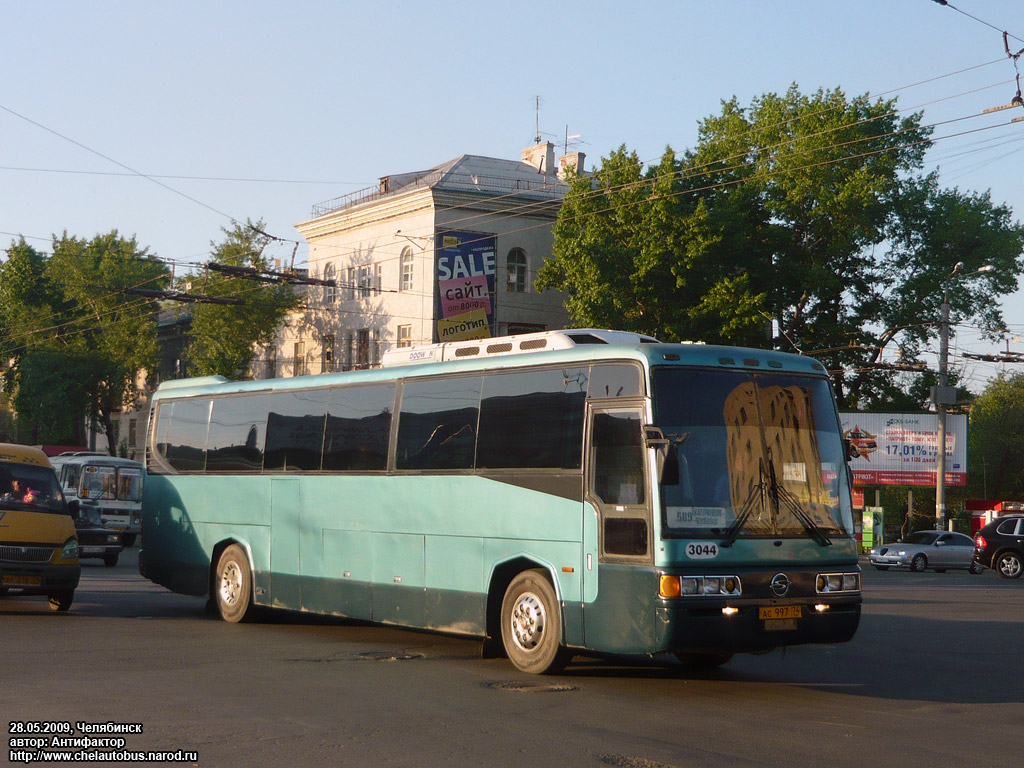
(759, 455)
(100, 482)
(28, 487)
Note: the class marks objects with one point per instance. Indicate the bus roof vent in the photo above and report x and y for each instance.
(509, 345)
(587, 338)
(533, 344)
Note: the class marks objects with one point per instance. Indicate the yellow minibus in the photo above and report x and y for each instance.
(38, 544)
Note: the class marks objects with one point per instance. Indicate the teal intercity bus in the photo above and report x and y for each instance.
(567, 492)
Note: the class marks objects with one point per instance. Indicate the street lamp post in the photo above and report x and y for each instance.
(944, 395)
(940, 398)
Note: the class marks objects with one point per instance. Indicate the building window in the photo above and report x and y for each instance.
(270, 360)
(327, 354)
(299, 359)
(349, 358)
(362, 348)
(405, 335)
(351, 286)
(517, 269)
(365, 281)
(330, 291)
(407, 267)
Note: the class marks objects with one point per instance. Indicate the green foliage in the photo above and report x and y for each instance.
(52, 395)
(996, 440)
(225, 336)
(807, 210)
(78, 340)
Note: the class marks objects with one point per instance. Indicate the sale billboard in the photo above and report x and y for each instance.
(466, 267)
(902, 448)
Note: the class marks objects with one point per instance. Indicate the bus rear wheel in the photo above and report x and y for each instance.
(232, 584)
(531, 625)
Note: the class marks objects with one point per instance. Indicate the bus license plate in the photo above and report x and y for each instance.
(14, 580)
(772, 612)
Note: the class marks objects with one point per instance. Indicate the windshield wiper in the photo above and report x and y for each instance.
(745, 511)
(792, 504)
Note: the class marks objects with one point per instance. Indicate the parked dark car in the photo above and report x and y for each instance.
(1000, 546)
(95, 540)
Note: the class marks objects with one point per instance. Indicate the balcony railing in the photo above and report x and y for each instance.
(544, 186)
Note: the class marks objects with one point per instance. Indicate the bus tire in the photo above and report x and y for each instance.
(61, 601)
(531, 625)
(232, 585)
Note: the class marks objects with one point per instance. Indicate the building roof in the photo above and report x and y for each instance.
(466, 173)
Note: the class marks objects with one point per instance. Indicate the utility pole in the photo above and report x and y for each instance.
(940, 398)
(944, 395)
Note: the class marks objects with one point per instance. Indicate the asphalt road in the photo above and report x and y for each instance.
(933, 678)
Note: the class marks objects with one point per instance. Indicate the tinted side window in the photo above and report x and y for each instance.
(358, 428)
(185, 440)
(437, 424)
(615, 380)
(532, 419)
(238, 427)
(618, 458)
(1007, 527)
(295, 431)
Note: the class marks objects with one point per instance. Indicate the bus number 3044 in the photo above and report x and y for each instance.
(702, 550)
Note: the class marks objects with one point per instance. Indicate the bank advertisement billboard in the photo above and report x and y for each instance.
(466, 267)
(902, 448)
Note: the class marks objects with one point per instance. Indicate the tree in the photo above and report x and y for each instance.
(225, 337)
(809, 212)
(996, 439)
(80, 341)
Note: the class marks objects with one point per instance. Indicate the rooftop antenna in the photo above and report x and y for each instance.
(567, 138)
(536, 139)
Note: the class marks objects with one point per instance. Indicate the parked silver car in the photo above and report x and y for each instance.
(937, 550)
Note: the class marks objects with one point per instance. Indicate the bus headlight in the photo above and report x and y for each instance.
(835, 583)
(700, 586)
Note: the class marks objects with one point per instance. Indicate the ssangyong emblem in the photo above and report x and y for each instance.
(780, 584)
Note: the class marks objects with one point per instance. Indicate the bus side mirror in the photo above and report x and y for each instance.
(74, 507)
(667, 453)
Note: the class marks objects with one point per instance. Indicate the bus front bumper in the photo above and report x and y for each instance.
(753, 626)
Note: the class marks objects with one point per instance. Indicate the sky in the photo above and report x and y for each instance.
(166, 120)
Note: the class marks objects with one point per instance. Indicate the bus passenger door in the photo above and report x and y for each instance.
(285, 510)
(617, 486)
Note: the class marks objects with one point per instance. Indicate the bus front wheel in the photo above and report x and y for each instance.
(61, 601)
(531, 625)
(232, 584)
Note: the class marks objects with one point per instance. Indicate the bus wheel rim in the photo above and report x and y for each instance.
(230, 584)
(528, 622)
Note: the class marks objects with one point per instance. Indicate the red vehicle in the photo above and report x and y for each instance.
(861, 442)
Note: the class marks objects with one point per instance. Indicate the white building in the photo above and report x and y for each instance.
(443, 254)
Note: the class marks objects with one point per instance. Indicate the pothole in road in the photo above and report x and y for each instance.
(389, 656)
(527, 686)
(628, 761)
(365, 656)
